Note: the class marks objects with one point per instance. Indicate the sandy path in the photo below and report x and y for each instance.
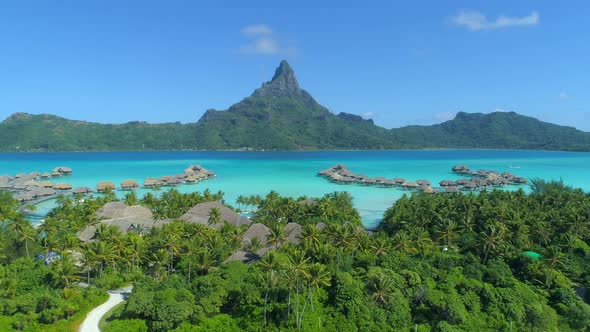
(90, 324)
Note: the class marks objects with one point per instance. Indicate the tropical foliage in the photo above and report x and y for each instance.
(437, 263)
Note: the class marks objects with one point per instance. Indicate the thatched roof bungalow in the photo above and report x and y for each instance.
(410, 184)
(452, 190)
(62, 186)
(62, 170)
(129, 184)
(257, 230)
(293, 231)
(151, 182)
(199, 214)
(82, 190)
(104, 186)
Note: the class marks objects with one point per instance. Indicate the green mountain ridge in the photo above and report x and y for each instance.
(281, 116)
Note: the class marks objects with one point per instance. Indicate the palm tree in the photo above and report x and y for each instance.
(254, 245)
(241, 200)
(381, 288)
(65, 270)
(104, 252)
(214, 217)
(22, 231)
(316, 276)
(235, 238)
(297, 267)
(489, 240)
(380, 246)
(446, 231)
(277, 235)
(554, 256)
(271, 264)
(310, 235)
(204, 261)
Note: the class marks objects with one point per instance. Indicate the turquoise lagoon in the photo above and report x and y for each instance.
(294, 173)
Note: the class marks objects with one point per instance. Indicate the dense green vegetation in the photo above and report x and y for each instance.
(442, 262)
(282, 116)
(35, 296)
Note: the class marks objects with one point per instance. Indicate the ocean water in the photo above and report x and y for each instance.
(294, 173)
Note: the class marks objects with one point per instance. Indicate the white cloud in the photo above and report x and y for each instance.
(263, 41)
(254, 30)
(368, 115)
(444, 116)
(564, 96)
(498, 109)
(476, 21)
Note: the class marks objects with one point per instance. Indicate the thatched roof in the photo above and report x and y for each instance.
(55, 174)
(470, 185)
(24, 196)
(451, 190)
(129, 184)
(173, 181)
(43, 192)
(399, 180)
(460, 168)
(428, 190)
(336, 176)
(119, 209)
(165, 178)
(463, 181)
(257, 230)
(62, 170)
(123, 217)
(87, 233)
(62, 186)
(447, 183)
(35, 174)
(293, 232)
(46, 175)
(192, 178)
(46, 184)
(410, 184)
(82, 190)
(124, 224)
(150, 182)
(380, 179)
(199, 214)
(241, 256)
(389, 183)
(111, 210)
(103, 186)
(423, 182)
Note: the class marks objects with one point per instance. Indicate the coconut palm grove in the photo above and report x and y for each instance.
(487, 261)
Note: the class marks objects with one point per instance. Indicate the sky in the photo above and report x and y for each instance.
(397, 62)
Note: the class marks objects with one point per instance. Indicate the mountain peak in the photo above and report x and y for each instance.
(283, 83)
(284, 71)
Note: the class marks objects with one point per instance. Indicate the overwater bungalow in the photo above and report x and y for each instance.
(151, 182)
(62, 186)
(129, 184)
(104, 186)
(82, 191)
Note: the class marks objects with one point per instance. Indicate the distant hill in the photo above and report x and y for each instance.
(281, 116)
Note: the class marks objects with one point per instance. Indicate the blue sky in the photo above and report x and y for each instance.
(399, 62)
